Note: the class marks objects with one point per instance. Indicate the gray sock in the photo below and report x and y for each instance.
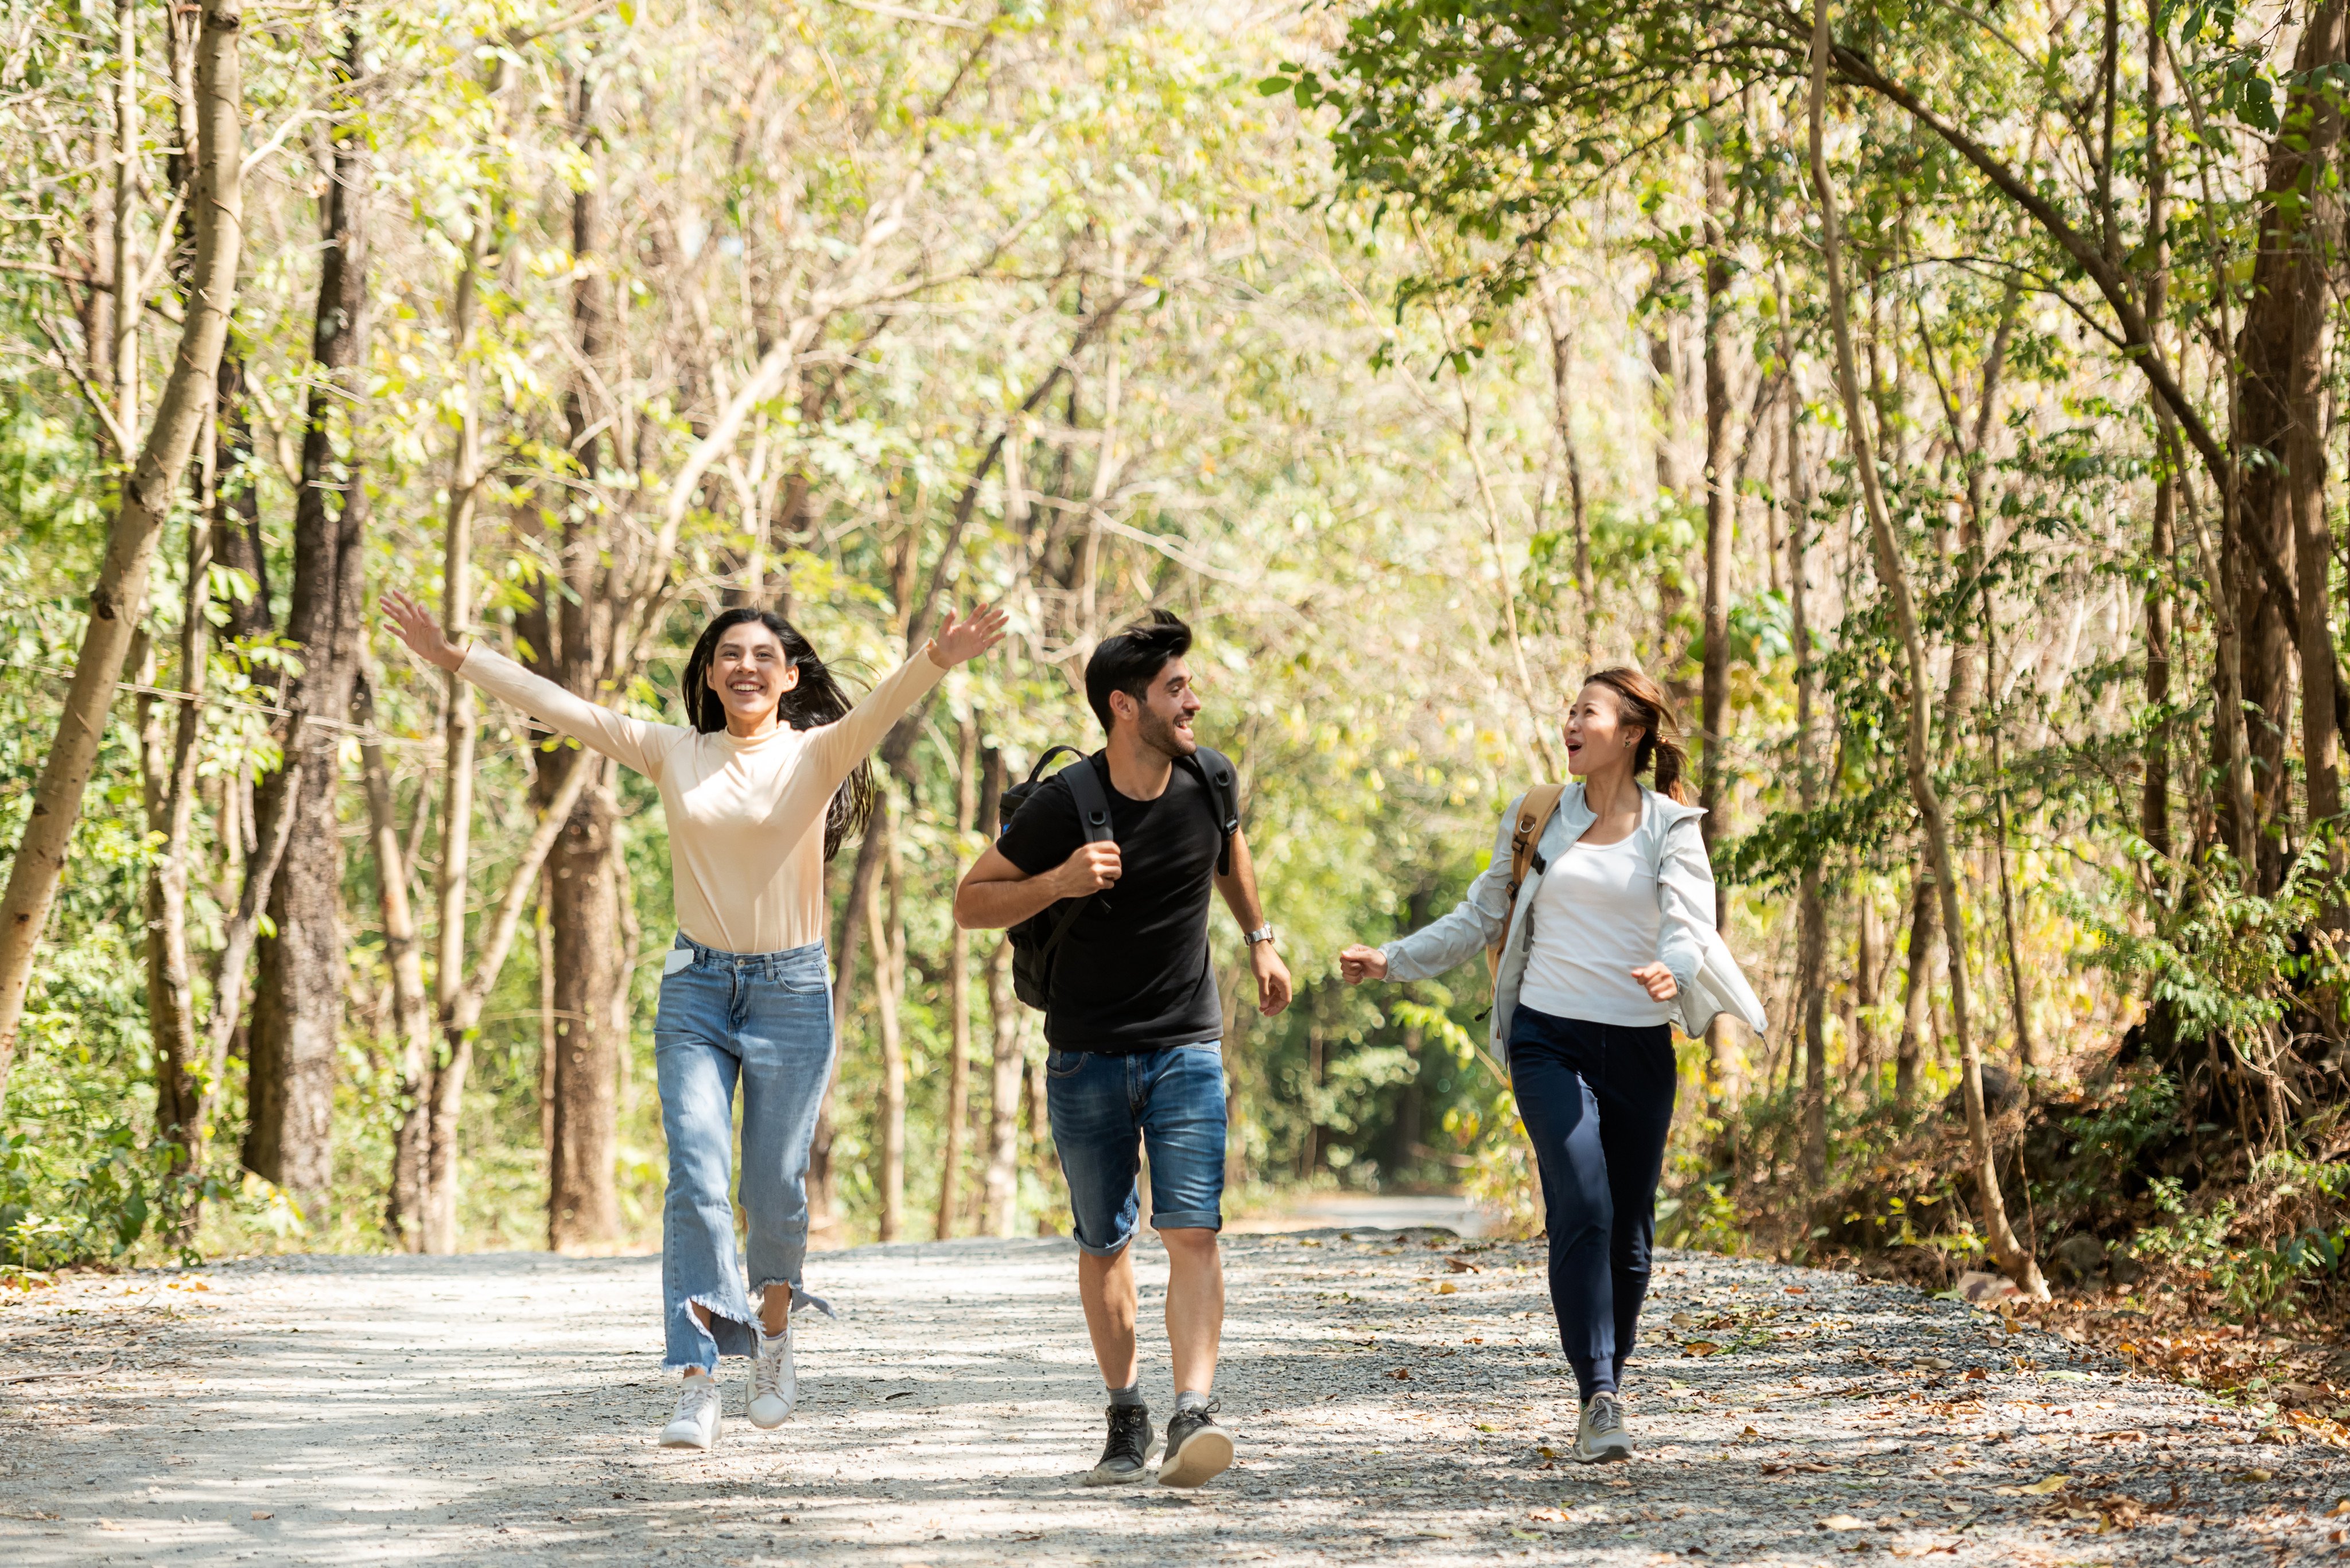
(1190, 1399)
(1127, 1399)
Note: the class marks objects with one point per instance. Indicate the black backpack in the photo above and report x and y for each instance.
(1036, 939)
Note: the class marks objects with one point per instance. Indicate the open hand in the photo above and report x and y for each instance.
(1359, 963)
(1659, 982)
(961, 641)
(415, 626)
(1272, 978)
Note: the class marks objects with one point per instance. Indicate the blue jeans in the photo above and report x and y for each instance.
(1105, 1107)
(766, 1019)
(1597, 1102)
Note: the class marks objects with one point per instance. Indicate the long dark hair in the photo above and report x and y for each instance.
(817, 698)
(1643, 702)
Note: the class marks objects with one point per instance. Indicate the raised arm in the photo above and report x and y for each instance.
(1474, 924)
(631, 743)
(836, 748)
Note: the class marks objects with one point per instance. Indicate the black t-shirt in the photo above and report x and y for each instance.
(1133, 974)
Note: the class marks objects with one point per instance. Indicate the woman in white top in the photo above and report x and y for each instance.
(1609, 942)
(759, 788)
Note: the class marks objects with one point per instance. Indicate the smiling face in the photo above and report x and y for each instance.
(1596, 734)
(749, 673)
(1162, 720)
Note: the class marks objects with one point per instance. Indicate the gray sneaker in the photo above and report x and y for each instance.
(1600, 1438)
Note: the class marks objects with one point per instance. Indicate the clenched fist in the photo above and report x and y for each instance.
(1359, 963)
(1089, 871)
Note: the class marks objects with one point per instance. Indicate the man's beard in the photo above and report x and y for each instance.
(1161, 736)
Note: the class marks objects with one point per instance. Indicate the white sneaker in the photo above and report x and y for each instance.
(774, 1386)
(695, 1425)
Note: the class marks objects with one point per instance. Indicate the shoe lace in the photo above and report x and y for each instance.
(767, 1370)
(700, 1392)
(1128, 1430)
(1604, 1415)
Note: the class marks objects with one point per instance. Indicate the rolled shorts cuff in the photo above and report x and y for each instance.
(1112, 1251)
(1187, 1219)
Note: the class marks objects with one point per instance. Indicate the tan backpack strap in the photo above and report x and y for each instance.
(1535, 812)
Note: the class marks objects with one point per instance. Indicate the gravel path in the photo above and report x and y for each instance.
(1396, 1398)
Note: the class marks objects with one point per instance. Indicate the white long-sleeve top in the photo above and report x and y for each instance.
(1596, 916)
(745, 817)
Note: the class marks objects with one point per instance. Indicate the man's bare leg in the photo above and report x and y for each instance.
(1105, 1286)
(1195, 1306)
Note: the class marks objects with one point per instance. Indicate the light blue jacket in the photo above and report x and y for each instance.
(1709, 978)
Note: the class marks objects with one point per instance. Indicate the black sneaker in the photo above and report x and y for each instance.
(1126, 1457)
(1197, 1449)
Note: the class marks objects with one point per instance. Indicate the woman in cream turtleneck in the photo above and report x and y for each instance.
(759, 788)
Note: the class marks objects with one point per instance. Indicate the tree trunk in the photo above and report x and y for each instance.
(412, 1008)
(584, 918)
(1812, 918)
(2280, 396)
(1002, 1182)
(299, 997)
(885, 915)
(2154, 801)
(181, 1082)
(118, 598)
(2013, 1254)
(426, 1143)
(1720, 514)
(576, 644)
(970, 811)
(1916, 1000)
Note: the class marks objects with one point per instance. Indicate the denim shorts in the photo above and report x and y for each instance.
(1106, 1109)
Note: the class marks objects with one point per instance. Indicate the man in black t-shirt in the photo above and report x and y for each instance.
(1134, 1023)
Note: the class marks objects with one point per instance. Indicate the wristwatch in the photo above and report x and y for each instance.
(1261, 934)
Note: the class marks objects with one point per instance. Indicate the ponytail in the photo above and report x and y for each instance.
(1643, 703)
(816, 699)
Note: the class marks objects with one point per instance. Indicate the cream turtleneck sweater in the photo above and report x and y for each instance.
(745, 817)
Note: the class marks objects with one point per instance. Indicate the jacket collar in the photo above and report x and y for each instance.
(1668, 810)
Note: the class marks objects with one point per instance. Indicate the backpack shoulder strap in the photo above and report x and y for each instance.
(1093, 820)
(1093, 802)
(1535, 812)
(1216, 771)
(1539, 804)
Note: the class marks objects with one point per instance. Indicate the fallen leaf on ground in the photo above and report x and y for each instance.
(1402, 1375)
(2253, 1476)
(2045, 1485)
(1750, 1432)
(1463, 1266)
(1842, 1521)
(2340, 1509)
(1976, 1374)
(1448, 1289)
(261, 1513)
(1700, 1346)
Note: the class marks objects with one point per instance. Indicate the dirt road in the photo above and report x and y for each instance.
(503, 1408)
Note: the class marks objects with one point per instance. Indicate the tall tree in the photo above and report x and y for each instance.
(2012, 1253)
(297, 1016)
(119, 598)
